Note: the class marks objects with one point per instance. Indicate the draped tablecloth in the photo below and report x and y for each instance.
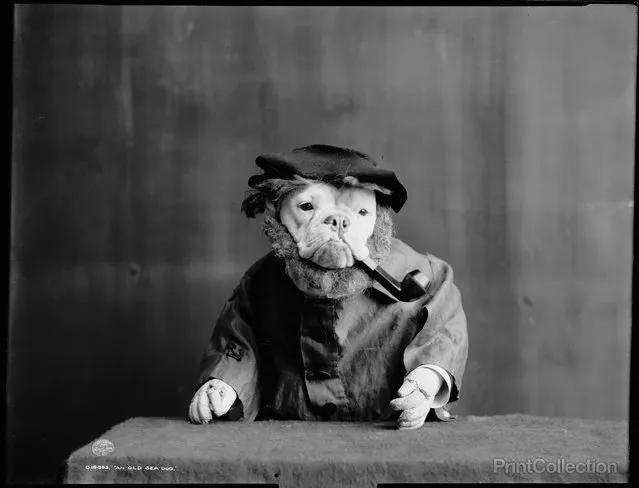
(508, 448)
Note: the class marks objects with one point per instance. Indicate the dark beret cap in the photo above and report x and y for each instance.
(329, 163)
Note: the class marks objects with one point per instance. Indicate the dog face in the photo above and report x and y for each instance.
(330, 225)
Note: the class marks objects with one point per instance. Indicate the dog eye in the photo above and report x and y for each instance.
(363, 212)
(305, 206)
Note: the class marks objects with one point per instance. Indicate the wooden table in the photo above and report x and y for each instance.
(321, 454)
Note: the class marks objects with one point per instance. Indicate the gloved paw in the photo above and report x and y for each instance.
(414, 418)
(415, 398)
(213, 399)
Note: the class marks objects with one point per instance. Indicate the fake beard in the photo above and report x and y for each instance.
(319, 282)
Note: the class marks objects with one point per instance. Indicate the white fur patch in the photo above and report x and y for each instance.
(320, 213)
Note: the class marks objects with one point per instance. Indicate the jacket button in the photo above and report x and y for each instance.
(319, 335)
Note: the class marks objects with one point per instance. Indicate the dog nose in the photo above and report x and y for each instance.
(338, 223)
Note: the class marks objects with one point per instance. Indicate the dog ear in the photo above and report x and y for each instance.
(267, 193)
(254, 203)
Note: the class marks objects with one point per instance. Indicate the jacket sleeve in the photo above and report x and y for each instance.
(442, 341)
(231, 353)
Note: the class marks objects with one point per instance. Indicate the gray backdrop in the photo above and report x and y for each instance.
(136, 128)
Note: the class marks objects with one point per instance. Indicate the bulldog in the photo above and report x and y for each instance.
(309, 334)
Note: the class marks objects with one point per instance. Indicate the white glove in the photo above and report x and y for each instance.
(416, 396)
(213, 399)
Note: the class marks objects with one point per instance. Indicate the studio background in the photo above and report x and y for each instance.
(136, 129)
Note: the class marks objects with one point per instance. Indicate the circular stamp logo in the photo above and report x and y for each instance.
(102, 447)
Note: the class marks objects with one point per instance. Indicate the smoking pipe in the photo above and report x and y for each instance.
(413, 286)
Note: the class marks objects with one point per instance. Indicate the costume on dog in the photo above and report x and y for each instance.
(291, 356)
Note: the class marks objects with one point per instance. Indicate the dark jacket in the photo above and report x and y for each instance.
(292, 357)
